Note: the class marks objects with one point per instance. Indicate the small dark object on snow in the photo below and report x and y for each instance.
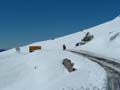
(114, 36)
(77, 44)
(68, 65)
(52, 38)
(35, 67)
(64, 47)
(87, 37)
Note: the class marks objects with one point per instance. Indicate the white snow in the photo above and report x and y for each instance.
(43, 69)
(19, 73)
(106, 41)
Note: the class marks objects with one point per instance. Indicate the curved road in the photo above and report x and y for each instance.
(112, 68)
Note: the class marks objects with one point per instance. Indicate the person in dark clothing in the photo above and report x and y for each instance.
(64, 47)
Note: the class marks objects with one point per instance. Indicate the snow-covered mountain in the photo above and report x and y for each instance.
(43, 69)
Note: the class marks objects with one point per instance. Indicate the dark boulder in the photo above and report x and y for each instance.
(68, 65)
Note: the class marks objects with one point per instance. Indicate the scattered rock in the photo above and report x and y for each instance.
(114, 36)
(68, 65)
(88, 37)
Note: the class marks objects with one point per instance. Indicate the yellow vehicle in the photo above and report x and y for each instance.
(33, 48)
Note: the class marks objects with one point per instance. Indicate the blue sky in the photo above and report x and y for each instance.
(27, 21)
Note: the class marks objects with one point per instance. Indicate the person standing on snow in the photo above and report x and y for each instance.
(64, 47)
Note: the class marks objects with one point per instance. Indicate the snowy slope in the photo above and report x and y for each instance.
(106, 41)
(43, 70)
(101, 43)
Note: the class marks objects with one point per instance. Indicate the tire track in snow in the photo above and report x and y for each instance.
(112, 68)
